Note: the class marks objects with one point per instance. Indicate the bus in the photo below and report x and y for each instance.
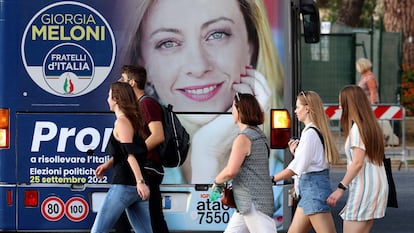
(57, 61)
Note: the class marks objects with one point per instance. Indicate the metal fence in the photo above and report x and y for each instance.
(330, 64)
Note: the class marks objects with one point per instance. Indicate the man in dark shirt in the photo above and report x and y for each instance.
(136, 76)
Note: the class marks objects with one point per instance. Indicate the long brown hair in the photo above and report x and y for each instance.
(320, 120)
(357, 109)
(127, 102)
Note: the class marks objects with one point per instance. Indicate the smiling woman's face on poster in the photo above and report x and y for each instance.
(194, 53)
(198, 54)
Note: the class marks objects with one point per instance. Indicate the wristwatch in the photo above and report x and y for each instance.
(342, 186)
(141, 181)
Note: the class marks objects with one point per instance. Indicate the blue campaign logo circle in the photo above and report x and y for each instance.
(68, 69)
(68, 49)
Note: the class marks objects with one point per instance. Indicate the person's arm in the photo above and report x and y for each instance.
(372, 87)
(142, 188)
(293, 144)
(153, 113)
(101, 169)
(157, 135)
(287, 173)
(305, 152)
(355, 167)
(239, 151)
(351, 172)
(125, 132)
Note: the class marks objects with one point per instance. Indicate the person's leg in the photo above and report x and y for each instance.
(122, 225)
(236, 224)
(139, 216)
(112, 207)
(358, 226)
(159, 225)
(315, 189)
(322, 222)
(257, 221)
(300, 222)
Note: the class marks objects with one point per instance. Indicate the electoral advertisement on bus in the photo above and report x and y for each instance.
(57, 61)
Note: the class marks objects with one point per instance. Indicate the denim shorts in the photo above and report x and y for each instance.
(315, 188)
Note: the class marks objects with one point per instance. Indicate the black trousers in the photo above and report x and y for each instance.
(159, 225)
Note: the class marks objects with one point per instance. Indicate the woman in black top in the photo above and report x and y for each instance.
(128, 190)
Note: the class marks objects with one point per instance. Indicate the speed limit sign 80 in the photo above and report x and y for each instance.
(53, 208)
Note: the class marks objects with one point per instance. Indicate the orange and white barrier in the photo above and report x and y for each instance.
(382, 112)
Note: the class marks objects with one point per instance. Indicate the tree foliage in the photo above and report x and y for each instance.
(399, 17)
(353, 13)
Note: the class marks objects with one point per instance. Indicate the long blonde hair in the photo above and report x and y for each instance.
(268, 61)
(320, 120)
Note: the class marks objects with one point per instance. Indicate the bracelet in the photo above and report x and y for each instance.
(141, 181)
(273, 180)
(217, 184)
(342, 186)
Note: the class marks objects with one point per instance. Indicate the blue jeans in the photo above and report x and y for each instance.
(315, 188)
(120, 198)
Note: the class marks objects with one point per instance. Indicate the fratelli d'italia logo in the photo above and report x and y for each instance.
(68, 49)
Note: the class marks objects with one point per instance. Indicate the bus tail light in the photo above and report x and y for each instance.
(280, 128)
(4, 128)
(31, 198)
(9, 198)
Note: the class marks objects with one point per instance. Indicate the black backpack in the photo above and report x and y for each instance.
(173, 151)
